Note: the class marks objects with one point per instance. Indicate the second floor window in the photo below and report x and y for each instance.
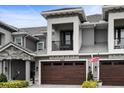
(18, 40)
(40, 46)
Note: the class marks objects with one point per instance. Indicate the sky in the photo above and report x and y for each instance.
(22, 16)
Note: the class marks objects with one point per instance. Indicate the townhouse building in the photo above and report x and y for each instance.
(60, 52)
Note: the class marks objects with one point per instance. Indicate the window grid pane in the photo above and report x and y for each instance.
(40, 46)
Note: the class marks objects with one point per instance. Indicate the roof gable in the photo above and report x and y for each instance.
(13, 47)
(13, 51)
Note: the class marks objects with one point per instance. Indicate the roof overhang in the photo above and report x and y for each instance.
(65, 12)
(87, 25)
(111, 9)
(25, 34)
(97, 25)
(8, 27)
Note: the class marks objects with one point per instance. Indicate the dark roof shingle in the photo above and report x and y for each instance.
(94, 18)
(34, 30)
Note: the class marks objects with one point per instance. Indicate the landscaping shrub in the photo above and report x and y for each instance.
(90, 76)
(14, 84)
(89, 84)
(3, 78)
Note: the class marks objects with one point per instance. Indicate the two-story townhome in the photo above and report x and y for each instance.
(60, 52)
(73, 38)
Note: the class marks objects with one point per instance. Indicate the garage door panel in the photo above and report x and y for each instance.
(112, 74)
(65, 73)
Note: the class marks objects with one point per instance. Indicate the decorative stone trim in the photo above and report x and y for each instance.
(63, 57)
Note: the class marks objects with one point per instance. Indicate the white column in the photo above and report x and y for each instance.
(98, 70)
(9, 70)
(49, 37)
(27, 74)
(76, 36)
(0, 66)
(87, 66)
(39, 73)
(92, 64)
(4, 65)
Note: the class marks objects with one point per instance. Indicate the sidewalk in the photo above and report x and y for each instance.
(53, 86)
(66, 86)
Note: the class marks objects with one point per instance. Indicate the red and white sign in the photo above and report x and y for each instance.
(94, 59)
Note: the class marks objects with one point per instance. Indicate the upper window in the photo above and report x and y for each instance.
(18, 40)
(40, 46)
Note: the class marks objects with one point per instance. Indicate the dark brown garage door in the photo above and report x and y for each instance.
(112, 72)
(63, 73)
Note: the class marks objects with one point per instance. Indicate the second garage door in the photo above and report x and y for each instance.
(112, 72)
(63, 73)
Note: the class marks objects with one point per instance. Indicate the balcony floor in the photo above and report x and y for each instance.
(97, 48)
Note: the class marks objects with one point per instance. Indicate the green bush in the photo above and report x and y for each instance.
(14, 84)
(89, 84)
(3, 78)
(90, 76)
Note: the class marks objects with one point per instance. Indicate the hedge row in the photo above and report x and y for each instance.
(89, 84)
(14, 84)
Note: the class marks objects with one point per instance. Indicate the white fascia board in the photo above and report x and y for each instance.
(60, 11)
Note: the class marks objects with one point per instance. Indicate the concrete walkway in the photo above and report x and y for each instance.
(66, 86)
(111, 87)
(54, 86)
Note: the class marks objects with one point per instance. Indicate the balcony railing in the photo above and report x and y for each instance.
(59, 45)
(119, 43)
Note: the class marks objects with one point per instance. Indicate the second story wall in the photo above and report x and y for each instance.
(88, 36)
(30, 44)
(6, 36)
(101, 36)
(76, 22)
(111, 29)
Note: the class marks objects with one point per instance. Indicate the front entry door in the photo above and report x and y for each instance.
(18, 69)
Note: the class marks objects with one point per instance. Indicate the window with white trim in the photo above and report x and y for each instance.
(18, 40)
(40, 46)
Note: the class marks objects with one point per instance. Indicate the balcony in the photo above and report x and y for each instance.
(60, 46)
(119, 43)
(97, 48)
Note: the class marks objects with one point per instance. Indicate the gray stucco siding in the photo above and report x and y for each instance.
(88, 36)
(30, 44)
(100, 36)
